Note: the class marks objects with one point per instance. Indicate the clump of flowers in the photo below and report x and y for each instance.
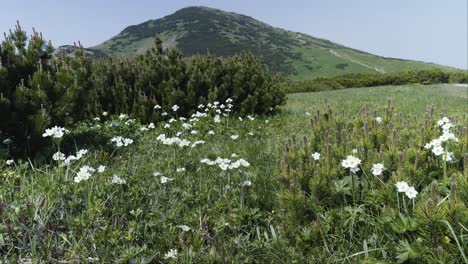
(173, 140)
(351, 163)
(226, 164)
(117, 180)
(54, 132)
(171, 254)
(84, 173)
(377, 169)
(409, 191)
(121, 141)
(437, 144)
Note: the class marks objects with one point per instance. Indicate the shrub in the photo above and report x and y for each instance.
(38, 89)
(432, 76)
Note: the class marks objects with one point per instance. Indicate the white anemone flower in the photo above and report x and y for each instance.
(101, 168)
(165, 179)
(402, 186)
(316, 156)
(411, 192)
(58, 156)
(377, 169)
(117, 180)
(438, 150)
(171, 254)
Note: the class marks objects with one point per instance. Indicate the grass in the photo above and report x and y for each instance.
(296, 209)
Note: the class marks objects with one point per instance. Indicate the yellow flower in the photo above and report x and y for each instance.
(447, 239)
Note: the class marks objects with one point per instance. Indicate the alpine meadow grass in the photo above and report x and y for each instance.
(367, 175)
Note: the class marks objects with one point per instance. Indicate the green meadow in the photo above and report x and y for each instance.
(218, 188)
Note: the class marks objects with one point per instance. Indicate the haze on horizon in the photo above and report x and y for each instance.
(425, 30)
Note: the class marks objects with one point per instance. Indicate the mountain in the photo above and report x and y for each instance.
(200, 30)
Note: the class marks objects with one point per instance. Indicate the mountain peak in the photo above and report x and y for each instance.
(200, 29)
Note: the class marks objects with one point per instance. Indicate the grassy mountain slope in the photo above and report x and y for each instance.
(198, 30)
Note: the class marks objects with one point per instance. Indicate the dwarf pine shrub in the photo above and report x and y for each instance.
(39, 88)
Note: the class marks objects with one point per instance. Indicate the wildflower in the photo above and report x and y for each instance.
(7, 141)
(351, 162)
(127, 141)
(445, 120)
(81, 152)
(175, 108)
(193, 132)
(247, 183)
(9, 162)
(157, 107)
(354, 151)
(447, 126)
(117, 180)
(234, 155)
(377, 169)
(448, 156)
(316, 156)
(217, 119)
(402, 186)
(180, 169)
(101, 168)
(378, 119)
(97, 119)
(438, 150)
(251, 118)
(223, 166)
(151, 126)
(157, 173)
(307, 113)
(184, 228)
(105, 113)
(83, 174)
(129, 121)
(165, 179)
(164, 113)
(211, 132)
(234, 137)
(167, 126)
(143, 129)
(68, 160)
(240, 119)
(411, 192)
(55, 132)
(447, 136)
(120, 141)
(58, 156)
(199, 142)
(251, 134)
(171, 254)
(122, 116)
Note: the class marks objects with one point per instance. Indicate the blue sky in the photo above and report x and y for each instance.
(427, 30)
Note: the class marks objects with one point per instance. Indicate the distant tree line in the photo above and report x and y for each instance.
(431, 76)
(39, 89)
